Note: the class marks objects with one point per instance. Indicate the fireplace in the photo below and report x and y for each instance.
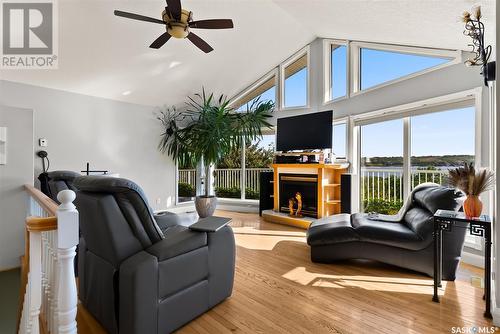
(298, 192)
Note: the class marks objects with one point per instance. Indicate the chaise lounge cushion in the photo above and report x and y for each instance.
(331, 229)
(386, 233)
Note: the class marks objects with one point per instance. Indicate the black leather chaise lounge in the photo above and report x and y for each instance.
(404, 240)
(136, 277)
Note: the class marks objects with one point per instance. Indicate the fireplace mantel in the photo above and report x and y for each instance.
(328, 191)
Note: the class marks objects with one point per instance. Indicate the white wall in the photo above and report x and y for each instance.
(115, 136)
(13, 175)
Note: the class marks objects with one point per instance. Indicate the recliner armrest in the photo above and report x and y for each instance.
(178, 243)
(166, 219)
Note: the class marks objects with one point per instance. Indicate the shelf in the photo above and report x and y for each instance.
(332, 185)
(335, 201)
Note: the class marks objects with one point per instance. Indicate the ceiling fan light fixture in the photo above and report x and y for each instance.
(177, 28)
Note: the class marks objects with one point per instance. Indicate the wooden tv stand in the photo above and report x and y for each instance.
(328, 191)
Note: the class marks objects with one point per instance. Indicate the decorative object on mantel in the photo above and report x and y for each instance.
(207, 131)
(473, 183)
(474, 28)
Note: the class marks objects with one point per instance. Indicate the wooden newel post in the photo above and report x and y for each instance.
(67, 239)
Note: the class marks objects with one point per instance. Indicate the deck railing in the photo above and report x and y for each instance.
(387, 184)
(48, 287)
(226, 177)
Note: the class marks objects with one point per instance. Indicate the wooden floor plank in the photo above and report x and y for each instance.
(277, 289)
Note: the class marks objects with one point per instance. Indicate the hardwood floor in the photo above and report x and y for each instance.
(277, 289)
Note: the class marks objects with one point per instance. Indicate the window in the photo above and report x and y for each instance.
(378, 66)
(382, 167)
(340, 140)
(338, 71)
(438, 137)
(296, 83)
(186, 185)
(258, 158)
(266, 91)
(437, 146)
(230, 174)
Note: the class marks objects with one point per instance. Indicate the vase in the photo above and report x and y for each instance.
(473, 206)
(205, 205)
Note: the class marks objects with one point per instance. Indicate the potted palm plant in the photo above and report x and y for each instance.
(206, 131)
(473, 183)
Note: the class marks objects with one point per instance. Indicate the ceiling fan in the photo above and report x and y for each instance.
(178, 23)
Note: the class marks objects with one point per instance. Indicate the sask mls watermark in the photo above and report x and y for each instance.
(29, 34)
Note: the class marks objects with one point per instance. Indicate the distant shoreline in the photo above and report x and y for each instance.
(442, 162)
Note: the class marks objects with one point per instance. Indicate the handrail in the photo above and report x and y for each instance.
(45, 202)
(41, 224)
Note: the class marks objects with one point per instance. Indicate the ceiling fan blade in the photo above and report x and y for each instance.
(201, 44)
(212, 24)
(175, 8)
(137, 17)
(160, 41)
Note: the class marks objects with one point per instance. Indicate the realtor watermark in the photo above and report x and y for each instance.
(29, 38)
(474, 330)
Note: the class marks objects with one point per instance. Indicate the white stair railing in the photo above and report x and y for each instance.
(48, 281)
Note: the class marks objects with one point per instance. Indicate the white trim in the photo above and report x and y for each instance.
(406, 157)
(470, 94)
(304, 51)
(455, 57)
(340, 121)
(327, 70)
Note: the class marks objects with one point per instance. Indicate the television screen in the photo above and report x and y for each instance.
(305, 132)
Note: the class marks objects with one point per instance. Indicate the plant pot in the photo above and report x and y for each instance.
(473, 206)
(205, 205)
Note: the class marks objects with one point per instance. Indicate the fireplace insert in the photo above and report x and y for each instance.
(298, 194)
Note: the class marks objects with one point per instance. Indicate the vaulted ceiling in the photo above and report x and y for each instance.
(107, 56)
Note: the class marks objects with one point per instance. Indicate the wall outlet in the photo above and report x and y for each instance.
(42, 142)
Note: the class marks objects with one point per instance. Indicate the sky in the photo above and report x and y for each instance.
(442, 133)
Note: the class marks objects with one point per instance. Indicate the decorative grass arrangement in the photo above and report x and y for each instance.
(473, 183)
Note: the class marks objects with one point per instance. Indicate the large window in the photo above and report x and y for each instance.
(437, 139)
(295, 88)
(379, 66)
(338, 71)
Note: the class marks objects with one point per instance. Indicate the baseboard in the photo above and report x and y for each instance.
(473, 259)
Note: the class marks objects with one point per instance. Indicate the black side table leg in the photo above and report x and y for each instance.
(487, 271)
(440, 256)
(435, 297)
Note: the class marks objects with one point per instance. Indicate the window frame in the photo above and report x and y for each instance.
(282, 68)
(274, 72)
(327, 69)
(345, 121)
(472, 97)
(455, 57)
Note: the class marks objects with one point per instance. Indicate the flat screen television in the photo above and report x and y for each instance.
(305, 132)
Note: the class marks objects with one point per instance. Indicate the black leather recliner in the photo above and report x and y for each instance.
(136, 277)
(405, 240)
(60, 180)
